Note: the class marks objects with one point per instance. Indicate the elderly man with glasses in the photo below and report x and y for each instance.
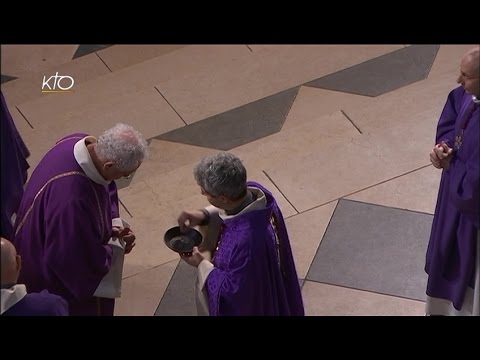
(68, 228)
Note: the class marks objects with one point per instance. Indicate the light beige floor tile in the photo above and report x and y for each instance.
(21, 60)
(142, 293)
(175, 65)
(415, 191)
(331, 170)
(328, 300)
(306, 232)
(175, 185)
(312, 103)
(29, 86)
(257, 74)
(121, 56)
(150, 250)
(154, 211)
(287, 149)
(149, 222)
(137, 195)
(260, 177)
(365, 52)
(404, 105)
(145, 110)
(301, 140)
(166, 156)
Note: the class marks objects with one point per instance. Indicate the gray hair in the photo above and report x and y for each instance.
(222, 174)
(122, 145)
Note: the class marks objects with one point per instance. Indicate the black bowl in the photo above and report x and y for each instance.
(182, 242)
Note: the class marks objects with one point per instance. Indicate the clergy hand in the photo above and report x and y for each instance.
(441, 155)
(127, 235)
(187, 219)
(195, 258)
(129, 239)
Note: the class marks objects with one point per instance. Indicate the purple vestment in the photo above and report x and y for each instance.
(14, 169)
(451, 253)
(39, 304)
(252, 275)
(62, 229)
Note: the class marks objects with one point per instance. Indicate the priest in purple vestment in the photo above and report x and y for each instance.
(453, 254)
(14, 169)
(250, 270)
(15, 301)
(68, 227)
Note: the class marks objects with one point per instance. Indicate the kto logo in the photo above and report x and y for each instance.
(58, 84)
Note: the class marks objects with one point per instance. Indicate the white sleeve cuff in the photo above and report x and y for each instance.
(120, 222)
(204, 269)
(117, 222)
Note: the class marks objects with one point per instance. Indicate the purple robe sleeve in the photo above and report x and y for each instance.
(14, 166)
(446, 124)
(60, 308)
(75, 254)
(228, 289)
(465, 183)
(56, 305)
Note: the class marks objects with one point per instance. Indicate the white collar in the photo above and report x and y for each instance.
(475, 100)
(259, 203)
(12, 296)
(85, 161)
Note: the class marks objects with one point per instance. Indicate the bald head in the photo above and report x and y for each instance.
(10, 262)
(470, 71)
(472, 57)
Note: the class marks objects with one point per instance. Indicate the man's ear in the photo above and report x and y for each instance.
(224, 199)
(19, 262)
(107, 165)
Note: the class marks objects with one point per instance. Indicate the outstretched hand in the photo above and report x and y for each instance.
(196, 257)
(188, 219)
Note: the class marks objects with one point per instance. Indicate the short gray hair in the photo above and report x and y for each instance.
(222, 174)
(122, 145)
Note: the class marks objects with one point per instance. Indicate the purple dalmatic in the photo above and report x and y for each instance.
(254, 274)
(14, 168)
(451, 253)
(39, 304)
(62, 229)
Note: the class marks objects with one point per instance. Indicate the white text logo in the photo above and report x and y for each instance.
(57, 83)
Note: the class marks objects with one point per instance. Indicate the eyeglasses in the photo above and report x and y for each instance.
(126, 175)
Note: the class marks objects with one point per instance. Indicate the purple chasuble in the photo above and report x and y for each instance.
(14, 169)
(252, 275)
(39, 304)
(451, 253)
(62, 231)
